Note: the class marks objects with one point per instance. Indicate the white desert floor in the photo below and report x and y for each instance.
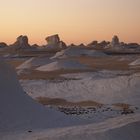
(105, 86)
(22, 118)
(121, 128)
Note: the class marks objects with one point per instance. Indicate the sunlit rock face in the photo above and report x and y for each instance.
(54, 42)
(54, 39)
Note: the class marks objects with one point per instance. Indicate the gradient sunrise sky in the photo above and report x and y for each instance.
(76, 21)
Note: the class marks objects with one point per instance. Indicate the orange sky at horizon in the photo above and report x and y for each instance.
(76, 21)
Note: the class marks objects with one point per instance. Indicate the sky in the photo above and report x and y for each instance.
(76, 21)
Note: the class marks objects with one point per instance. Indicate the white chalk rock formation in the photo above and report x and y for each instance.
(54, 39)
(54, 42)
(115, 44)
(21, 42)
(115, 41)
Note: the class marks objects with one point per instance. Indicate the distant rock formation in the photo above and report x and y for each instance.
(35, 46)
(81, 45)
(93, 43)
(98, 45)
(72, 45)
(103, 44)
(133, 45)
(54, 39)
(21, 45)
(118, 46)
(54, 42)
(115, 41)
(21, 42)
(3, 45)
(115, 44)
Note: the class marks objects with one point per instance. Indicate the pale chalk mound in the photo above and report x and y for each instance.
(77, 52)
(34, 62)
(63, 65)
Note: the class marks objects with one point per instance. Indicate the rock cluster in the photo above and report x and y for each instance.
(54, 44)
(116, 44)
(97, 44)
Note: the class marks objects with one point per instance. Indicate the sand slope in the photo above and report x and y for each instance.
(19, 112)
